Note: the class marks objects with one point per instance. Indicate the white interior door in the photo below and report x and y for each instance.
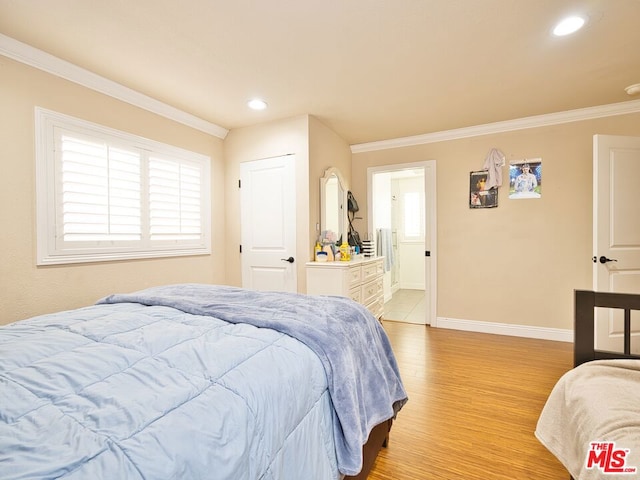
(268, 224)
(616, 242)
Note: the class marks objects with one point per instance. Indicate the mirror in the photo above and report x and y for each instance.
(333, 203)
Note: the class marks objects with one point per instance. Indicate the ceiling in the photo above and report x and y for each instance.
(370, 70)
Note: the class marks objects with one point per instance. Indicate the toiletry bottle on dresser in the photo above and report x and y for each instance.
(344, 252)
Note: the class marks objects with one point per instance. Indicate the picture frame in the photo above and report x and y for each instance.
(525, 178)
(479, 196)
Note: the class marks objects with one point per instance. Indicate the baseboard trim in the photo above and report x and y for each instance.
(543, 333)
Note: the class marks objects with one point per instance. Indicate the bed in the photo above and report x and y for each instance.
(591, 420)
(197, 381)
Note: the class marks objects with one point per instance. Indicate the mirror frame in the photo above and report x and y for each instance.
(329, 172)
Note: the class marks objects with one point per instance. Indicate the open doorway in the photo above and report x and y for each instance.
(402, 220)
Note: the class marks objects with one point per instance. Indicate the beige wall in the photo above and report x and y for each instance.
(517, 263)
(316, 148)
(27, 290)
(290, 136)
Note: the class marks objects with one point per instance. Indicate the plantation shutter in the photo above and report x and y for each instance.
(175, 198)
(103, 195)
(101, 191)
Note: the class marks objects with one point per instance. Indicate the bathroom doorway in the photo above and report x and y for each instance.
(402, 220)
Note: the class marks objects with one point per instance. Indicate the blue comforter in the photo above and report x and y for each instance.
(177, 382)
(362, 373)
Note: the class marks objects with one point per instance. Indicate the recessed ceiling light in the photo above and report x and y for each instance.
(568, 26)
(257, 104)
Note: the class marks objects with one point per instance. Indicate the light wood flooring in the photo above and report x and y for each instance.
(474, 400)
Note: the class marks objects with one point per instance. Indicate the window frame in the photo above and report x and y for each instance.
(52, 251)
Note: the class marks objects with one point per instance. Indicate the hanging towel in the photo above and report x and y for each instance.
(493, 164)
(384, 246)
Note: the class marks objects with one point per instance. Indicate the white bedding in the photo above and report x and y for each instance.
(598, 401)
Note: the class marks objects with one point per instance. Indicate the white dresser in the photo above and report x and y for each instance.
(360, 280)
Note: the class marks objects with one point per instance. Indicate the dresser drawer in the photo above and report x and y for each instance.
(354, 276)
(376, 307)
(379, 268)
(371, 291)
(371, 270)
(361, 281)
(355, 294)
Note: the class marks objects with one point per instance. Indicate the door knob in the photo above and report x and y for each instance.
(290, 259)
(604, 259)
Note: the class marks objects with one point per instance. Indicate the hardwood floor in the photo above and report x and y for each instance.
(474, 400)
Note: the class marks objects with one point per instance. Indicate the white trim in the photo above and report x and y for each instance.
(431, 237)
(33, 57)
(543, 333)
(569, 116)
(431, 223)
(41, 60)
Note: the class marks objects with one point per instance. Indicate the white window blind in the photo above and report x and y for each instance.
(106, 195)
(101, 191)
(174, 196)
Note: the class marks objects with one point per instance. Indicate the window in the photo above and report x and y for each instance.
(413, 216)
(108, 195)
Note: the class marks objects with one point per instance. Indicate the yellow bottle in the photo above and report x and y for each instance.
(344, 252)
(317, 249)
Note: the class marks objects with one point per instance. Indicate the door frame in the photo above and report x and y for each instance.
(430, 211)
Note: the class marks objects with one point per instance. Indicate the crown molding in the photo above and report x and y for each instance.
(33, 57)
(568, 116)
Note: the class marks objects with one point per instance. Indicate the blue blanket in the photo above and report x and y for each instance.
(134, 392)
(361, 370)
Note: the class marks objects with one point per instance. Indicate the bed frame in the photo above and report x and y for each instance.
(585, 303)
(378, 438)
(584, 324)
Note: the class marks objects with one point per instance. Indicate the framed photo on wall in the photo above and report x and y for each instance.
(479, 197)
(525, 178)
